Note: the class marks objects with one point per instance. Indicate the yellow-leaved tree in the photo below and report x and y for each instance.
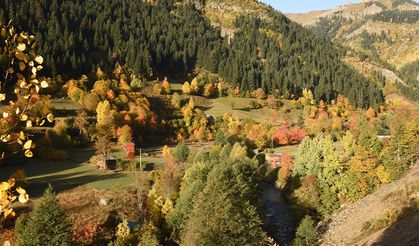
(21, 105)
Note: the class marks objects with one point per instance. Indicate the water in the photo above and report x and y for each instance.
(279, 222)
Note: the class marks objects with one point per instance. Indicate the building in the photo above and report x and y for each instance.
(273, 160)
(108, 163)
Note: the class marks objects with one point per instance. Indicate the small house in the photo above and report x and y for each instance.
(108, 163)
(273, 160)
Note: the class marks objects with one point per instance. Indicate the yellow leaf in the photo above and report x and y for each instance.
(7, 212)
(21, 47)
(28, 153)
(20, 190)
(22, 66)
(2, 97)
(29, 124)
(3, 32)
(44, 84)
(39, 67)
(23, 198)
(39, 59)
(50, 117)
(4, 186)
(24, 35)
(21, 56)
(28, 144)
(11, 182)
(22, 135)
(34, 70)
(4, 202)
(24, 117)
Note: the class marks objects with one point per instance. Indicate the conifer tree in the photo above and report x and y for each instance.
(47, 224)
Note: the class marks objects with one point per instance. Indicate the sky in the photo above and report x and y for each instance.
(303, 6)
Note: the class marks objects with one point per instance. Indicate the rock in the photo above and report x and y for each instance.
(104, 202)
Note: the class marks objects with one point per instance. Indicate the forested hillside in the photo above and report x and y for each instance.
(171, 38)
(382, 36)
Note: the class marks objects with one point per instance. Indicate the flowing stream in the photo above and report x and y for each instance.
(279, 222)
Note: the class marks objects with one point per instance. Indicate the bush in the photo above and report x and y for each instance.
(47, 224)
(377, 224)
(127, 165)
(181, 153)
(254, 105)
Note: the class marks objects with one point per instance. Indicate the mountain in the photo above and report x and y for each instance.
(382, 35)
(248, 44)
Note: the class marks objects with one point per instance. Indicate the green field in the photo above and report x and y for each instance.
(64, 104)
(222, 105)
(77, 171)
(67, 174)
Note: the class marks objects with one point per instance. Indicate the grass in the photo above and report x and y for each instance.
(222, 105)
(64, 104)
(77, 171)
(68, 174)
(289, 149)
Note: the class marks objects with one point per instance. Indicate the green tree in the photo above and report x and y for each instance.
(47, 224)
(306, 233)
(225, 212)
(181, 152)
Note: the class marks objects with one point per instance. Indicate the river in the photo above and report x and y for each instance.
(279, 222)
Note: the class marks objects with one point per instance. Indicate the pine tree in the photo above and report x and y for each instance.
(47, 224)
(306, 233)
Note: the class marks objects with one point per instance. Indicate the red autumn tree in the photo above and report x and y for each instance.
(296, 135)
(281, 136)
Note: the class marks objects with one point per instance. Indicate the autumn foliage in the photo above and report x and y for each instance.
(284, 136)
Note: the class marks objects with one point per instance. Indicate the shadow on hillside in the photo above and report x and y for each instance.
(36, 167)
(403, 232)
(67, 181)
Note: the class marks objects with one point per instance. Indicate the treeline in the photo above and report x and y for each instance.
(397, 16)
(78, 36)
(171, 38)
(330, 26)
(289, 58)
(410, 76)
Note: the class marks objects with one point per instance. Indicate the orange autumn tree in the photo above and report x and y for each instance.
(285, 171)
(284, 136)
(20, 85)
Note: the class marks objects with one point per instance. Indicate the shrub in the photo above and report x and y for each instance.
(254, 105)
(157, 89)
(181, 153)
(176, 100)
(165, 86)
(91, 101)
(47, 224)
(377, 224)
(124, 135)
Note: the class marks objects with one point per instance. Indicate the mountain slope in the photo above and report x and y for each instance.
(173, 38)
(390, 213)
(383, 36)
